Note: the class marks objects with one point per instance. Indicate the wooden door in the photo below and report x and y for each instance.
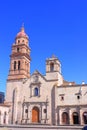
(35, 115)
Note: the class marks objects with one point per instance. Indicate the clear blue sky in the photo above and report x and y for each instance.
(56, 27)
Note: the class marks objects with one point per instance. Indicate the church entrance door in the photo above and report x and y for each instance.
(35, 115)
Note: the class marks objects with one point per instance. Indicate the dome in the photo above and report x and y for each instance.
(22, 34)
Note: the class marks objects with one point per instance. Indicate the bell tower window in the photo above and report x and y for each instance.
(18, 41)
(18, 65)
(18, 49)
(23, 41)
(52, 67)
(14, 65)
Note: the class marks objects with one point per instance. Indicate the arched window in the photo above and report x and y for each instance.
(18, 41)
(65, 118)
(23, 41)
(17, 49)
(18, 65)
(14, 65)
(36, 92)
(52, 67)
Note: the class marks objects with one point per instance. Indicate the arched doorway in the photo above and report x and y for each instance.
(65, 118)
(85, 117)
(35, 115)
(75, 118)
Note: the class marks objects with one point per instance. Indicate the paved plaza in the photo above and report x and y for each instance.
(39, 127)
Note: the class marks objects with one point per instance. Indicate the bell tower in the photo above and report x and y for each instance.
(53, 70)
(20, 57)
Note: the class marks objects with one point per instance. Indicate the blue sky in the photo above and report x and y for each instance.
(56, 27)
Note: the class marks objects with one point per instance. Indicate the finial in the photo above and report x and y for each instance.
(53, 56)
(22, 28)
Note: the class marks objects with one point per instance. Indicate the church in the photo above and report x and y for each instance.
(41, 99)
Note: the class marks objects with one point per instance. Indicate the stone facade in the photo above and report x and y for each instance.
(42, 99)
(4, 114)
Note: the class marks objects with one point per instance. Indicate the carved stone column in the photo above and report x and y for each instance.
(70, 117)
(41, 113)
(81, 118)
(22, 113)
(28, 113)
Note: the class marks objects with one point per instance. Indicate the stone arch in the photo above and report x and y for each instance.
(65, 118)
(75, 116)
(35, 115)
